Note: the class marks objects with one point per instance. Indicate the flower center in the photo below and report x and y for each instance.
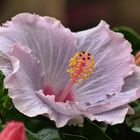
(81, 67)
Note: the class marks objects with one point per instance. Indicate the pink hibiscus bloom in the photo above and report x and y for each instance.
(13, 131)
(67, 76)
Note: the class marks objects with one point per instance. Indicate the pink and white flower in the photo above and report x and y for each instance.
(35, 56)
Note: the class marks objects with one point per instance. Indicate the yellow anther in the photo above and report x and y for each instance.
(81, 66)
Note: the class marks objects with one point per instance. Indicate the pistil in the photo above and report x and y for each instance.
(81, 67)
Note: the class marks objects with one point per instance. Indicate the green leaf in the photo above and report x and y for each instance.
(122, 132)
(33, 124)
(1, 125)
(5, 101)
(31, 136)
(44, 134)
(94, 132)
(48, 134)
(133, 121)
(89, 131)
(102, 125)
(131, 36)
(73, 137)
(37, 128)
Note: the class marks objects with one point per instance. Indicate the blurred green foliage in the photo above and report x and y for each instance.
(5, 101)
(133, 121)
(132, 36)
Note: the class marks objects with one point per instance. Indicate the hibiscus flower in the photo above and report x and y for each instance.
(67, 76)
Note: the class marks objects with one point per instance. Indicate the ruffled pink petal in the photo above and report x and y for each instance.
(24, 84)
(5, 64)
(53, 46)
(68, 112)
(24, 81)
(68, 108)
(50, 42)
(113, 62)
(113, 116)
(108, 107)
(116, 101)
(61, 119)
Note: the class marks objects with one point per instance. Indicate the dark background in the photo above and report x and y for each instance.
(77, 14)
